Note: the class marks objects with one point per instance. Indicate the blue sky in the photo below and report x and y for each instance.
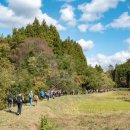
(101, 27)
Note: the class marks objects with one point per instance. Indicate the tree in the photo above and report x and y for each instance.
(128, 78)
(73, 49)
(98, 68)
(111, 71)
(55, 41)
(6, 79)
(23, 82)
(36, 28)
(29, 31)
(44, 31)
(121, 74)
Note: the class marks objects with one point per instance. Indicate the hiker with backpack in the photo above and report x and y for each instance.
(42, 94)
(10, 101)
(20, 100)
(35, 98)
(30, 98)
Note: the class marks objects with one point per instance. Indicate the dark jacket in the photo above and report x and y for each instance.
(20, 99)
(10, 98)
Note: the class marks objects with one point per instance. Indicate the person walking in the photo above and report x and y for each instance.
(30, 98)
(47, 95)
(10, 101)
(42, 94)
(20, 100)
(35, 99)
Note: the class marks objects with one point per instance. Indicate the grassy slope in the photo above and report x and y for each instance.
(80, 112)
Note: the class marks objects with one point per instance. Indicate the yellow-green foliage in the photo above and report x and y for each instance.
(39, 83)
(4, 49)
(6, 79)
(107, 82)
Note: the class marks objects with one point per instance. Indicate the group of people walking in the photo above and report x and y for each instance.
(19, 99)
(32, 98)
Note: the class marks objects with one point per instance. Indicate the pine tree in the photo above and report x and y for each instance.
(36, 28)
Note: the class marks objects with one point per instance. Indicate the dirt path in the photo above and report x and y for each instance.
(28, 120)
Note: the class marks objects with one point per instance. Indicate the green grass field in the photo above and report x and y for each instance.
(106, 111)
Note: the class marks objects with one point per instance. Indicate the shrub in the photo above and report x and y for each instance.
(46, 124)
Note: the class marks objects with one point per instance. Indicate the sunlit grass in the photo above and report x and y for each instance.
(116, 101)
(118, 95)
(76, 112)
(103, 105)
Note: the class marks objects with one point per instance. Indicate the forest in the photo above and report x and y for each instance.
(35, 57)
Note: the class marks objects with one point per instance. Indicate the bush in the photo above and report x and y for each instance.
(46, 125)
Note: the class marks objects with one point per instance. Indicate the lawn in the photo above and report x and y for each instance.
(106, 111)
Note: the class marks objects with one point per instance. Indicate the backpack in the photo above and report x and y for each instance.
(35, 97)
(41, 93)
(30, 95)
(19, 99)
(10, 98)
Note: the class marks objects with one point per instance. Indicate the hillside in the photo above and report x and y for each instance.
(35, 57)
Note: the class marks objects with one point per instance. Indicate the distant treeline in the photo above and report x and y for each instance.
(121, 74)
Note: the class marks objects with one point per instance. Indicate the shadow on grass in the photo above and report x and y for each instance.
(29, 105)
(114, 129)
(12, 112)
(127, 100)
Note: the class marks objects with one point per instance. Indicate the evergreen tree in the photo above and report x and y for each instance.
(36, 28)
(121, 72)
(29, 31)
(55, 41)
(98, 68)
(44, 31)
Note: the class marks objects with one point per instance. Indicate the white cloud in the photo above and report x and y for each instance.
(93, 27)
(72, 22)
(50, 21)
(67, 15)
(83, 27)
(67, 1)
(94, 10)
(27, 8)
(117, 58)
(128, 41)
(9, 19)
(86, 45)
(122, 22)
(20, 12)
(97, 28)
